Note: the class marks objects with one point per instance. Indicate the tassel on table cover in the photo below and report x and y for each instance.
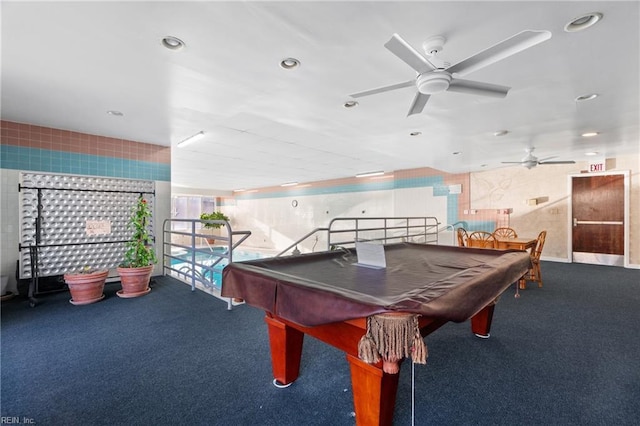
(392, 336)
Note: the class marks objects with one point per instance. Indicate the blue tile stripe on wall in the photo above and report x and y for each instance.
(439, 189)
(44, 160)
(337, 189)
(417, 182)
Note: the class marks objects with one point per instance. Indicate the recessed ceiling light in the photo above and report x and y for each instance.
(115, 113)
(289, 63)
(592, 153)
(172, 43)
(500, 133)
(583, 22)
(415, 133)
(590, 134)
(350, 104)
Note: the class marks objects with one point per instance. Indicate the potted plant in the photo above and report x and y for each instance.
(86, 285)
(135, 270)
(213, 216)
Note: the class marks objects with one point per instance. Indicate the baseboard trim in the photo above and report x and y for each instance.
(555, 259)
(565, 260)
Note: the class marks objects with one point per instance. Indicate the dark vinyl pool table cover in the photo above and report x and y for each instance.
(450, 283)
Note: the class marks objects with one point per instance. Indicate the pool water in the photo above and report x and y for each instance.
(204, 260)
(217, 252)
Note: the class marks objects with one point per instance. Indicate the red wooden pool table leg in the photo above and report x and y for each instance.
(286, 350)
(374, 393)
(481, 322)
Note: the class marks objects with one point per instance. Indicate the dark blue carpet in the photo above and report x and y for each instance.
(564, 354)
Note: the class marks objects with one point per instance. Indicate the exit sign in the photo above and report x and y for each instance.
(597, 165)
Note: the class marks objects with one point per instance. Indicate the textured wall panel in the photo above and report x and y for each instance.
(67, 203)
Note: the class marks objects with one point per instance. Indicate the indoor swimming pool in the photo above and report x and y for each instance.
(207, 265)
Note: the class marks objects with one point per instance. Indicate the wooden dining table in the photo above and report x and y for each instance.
(519, 243)
(508, 243)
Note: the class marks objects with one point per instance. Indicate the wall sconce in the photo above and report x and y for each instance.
(537, 200)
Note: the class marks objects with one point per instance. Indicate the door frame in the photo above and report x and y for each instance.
(627, 192)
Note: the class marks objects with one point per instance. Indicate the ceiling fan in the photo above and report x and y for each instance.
(435, 75)
(530, 160)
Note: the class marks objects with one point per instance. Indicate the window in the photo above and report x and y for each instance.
(189, 207)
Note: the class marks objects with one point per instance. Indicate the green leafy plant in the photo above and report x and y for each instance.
(213, 216)
(140, 250)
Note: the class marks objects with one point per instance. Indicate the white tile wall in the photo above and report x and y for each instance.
(9, 225)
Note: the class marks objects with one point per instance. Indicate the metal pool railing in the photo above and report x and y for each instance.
(345, 231)
(451, 229)
(188, 256)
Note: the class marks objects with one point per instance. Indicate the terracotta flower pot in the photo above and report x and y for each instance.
(86, 288)
(135, 281)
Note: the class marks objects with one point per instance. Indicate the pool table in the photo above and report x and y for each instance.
(328, 296)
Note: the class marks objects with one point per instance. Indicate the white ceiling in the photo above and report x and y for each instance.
(65, 64)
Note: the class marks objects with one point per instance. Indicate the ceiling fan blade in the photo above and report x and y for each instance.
(497, 52)
(419, 101)
(384, 89)
(557, 162)
(403, 50)
(478, 88)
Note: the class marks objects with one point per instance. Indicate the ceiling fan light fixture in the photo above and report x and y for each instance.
(289, 63)
(583, 22)
(433, 82)
(172, 43)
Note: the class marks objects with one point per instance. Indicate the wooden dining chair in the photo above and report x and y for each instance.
(462, 237)
(505, 232)
(481, 239)
(534, 273)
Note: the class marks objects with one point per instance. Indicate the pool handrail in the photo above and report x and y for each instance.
(193, 231)
(404, 229)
